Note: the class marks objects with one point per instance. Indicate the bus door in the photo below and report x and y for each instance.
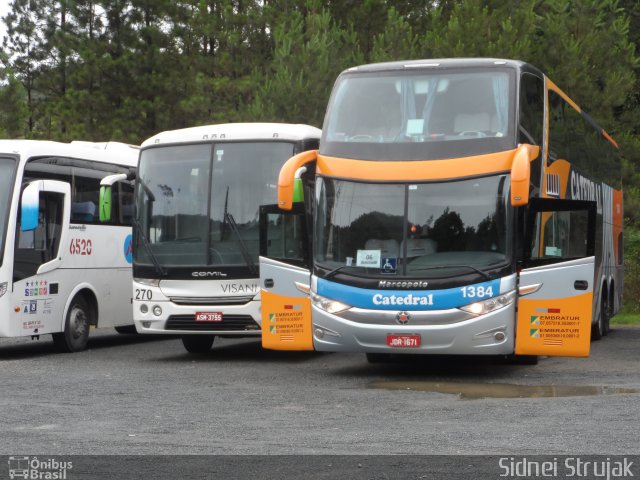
(285, 278)
(41, 238)
(556, 283)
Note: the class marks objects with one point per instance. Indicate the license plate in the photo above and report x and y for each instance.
(403, 341)
(208, 316)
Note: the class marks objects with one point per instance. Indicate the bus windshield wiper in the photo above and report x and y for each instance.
(227, 218)
(332, 273)
(470, 267)
(233, 226)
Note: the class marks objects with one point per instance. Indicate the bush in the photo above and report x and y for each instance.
(631, 269)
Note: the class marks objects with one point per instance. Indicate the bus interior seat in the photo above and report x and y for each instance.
(388, 248)
(472, 122)
(83, 211)
(417, 247)
(127, 214)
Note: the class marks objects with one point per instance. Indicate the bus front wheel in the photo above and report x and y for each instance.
(197, 343)
(75, 336)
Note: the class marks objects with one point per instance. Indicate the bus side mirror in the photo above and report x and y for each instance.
(289, 182)
(521, 174)
(105, 203)
(30, 206)
(105, 193)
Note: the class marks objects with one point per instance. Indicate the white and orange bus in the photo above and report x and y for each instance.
(455, 206)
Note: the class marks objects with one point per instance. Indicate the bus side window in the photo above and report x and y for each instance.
(39, 246)
(124, 203)
(563, 235)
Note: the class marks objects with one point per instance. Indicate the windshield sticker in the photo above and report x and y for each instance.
(219, 154)
(415, 126)
(389, 265)
(368, 258)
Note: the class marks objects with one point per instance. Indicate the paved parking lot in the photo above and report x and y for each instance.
(133, 394)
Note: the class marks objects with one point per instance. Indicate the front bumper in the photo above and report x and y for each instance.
(237, 320)
(490, 334)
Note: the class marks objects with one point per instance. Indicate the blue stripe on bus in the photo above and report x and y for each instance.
(408, 299)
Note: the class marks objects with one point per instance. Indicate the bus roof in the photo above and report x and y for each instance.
(107, 152)
(236, 131)
(440, 63)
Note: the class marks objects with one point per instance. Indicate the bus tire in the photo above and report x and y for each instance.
(75, 336)
(598, 329)
(126, 330)
(378, 357)
(197, 343)
(607, 317)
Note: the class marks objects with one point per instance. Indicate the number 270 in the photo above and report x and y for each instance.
(143, 294)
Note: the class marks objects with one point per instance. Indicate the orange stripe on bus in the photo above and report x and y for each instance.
(402, 170)
(555, 88)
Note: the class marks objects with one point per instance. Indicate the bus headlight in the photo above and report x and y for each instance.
(151, 282)
(490, 304)
(157, 310)
(328, 305)
(3, 288)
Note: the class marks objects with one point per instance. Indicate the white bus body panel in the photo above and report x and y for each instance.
(38, 304)
(185, 298)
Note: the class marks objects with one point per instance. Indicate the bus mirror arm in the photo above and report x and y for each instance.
(287, 178)
(521, 173)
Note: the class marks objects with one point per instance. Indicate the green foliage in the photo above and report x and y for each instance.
(310, 51)
(477, 28)
(632, 269)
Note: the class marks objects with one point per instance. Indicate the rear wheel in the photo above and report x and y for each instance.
(599, 328)
(607, 317)
(76, 327)
(197, 343)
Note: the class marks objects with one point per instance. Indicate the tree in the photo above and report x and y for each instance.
(309, 54)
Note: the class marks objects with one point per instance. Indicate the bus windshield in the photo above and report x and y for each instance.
(420, 115)
(197, 205)
(7, 169)
(426, 230)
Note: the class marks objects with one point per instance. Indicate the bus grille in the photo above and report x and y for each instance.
(229, 323)
(211, 300)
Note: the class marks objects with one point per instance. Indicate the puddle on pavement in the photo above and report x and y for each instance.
(472, 391)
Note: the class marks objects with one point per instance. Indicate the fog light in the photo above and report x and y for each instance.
(144, 308)
(157, 310)
(319, 333)
(499, 336)
(146, 324)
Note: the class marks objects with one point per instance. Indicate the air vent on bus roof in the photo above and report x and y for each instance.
(553, 184)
